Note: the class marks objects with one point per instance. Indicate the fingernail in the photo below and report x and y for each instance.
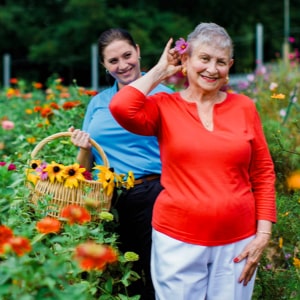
(236, 260)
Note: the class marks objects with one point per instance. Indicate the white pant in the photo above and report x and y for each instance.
(182, 271)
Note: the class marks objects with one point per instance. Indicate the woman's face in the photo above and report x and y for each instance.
(122, 61)
(208, 66)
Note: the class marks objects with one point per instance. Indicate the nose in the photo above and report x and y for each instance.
(212, 67)
(122, 64)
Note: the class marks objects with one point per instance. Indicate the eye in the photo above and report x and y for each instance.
(113, 61)
(127, 55)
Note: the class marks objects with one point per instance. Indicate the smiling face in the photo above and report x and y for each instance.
(122, 61)
(208, 66)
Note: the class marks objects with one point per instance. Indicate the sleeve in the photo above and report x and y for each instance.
(262, 175)
(135, 112)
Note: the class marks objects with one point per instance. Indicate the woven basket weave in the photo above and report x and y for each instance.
(61, 196)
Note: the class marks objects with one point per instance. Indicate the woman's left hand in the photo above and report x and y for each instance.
(252, 253)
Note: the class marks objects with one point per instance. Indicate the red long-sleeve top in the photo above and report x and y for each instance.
(218, 183)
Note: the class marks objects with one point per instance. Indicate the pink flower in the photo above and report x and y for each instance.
(2, 163)
(8, 125)
(181, 46)
(11, 167)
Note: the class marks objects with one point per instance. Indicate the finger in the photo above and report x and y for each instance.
(71, 128)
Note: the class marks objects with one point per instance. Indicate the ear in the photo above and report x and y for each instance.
(231, 63)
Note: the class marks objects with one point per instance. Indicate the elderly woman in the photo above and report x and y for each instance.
(213, 219)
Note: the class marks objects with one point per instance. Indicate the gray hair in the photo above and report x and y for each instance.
(209, 33)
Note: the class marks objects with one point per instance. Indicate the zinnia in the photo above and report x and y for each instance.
(8, 125)
(75, 214)
(92, 256)
(48, 225)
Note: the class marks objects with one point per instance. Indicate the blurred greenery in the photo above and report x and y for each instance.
(50, 36)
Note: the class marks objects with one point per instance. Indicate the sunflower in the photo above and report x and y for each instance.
(73, 174)
(55, 171)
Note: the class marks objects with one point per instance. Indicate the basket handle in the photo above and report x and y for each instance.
(43, 142)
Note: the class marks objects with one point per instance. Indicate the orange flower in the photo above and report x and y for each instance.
(19, 245)
(76, 214)
(91, 92)
(92, 256)
(54, 105)
(293, 181)
(37, 85)
(37, 109)
(70, 104)
(48, 225)
(46, 112)
(5, 234)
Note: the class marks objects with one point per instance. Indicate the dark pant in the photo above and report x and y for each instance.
(134, 209)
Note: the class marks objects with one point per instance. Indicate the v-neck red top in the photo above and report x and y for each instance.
(218, 183)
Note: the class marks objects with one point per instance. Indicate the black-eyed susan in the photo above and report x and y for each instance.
(55, 171)
(108, 178)
(73, 174)
(129, 181)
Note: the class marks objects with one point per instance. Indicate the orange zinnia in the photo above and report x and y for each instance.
(48, 225)
(19, 245)
(92, 256)
(70, 104)
(76, 214)
(5, 234)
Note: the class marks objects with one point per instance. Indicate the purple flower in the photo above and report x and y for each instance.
(181, 46)
(40, 170)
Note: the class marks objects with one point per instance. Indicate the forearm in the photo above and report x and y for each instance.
(84, 158)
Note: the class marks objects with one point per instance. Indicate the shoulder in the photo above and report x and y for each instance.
(241, 100)
(161, 88)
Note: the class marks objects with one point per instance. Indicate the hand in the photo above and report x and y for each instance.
(169, 62)
(252, 253)
(80, 138)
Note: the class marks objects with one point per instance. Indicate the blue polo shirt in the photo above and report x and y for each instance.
(125, 151)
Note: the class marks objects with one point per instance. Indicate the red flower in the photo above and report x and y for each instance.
(76, 214)
(11, 167)
(54, 105)
(70, 104)
(92, 256)
(48, 225)
(91, 92)
(13, 80)
(5, 234)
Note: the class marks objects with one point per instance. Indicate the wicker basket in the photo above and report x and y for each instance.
(61, 196)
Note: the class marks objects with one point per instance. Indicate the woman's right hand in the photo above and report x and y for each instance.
(80, 138)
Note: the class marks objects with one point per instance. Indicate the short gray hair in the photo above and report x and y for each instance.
(211, 33)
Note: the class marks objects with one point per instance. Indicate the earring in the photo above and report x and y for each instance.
(107, 72)
(184, 72)
(227, 80)
(139, 57)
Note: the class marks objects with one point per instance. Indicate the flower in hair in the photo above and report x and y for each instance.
(181, 45)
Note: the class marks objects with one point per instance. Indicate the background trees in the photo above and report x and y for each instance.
(55, 36)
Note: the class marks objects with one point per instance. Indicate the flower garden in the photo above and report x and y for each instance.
(75, 255)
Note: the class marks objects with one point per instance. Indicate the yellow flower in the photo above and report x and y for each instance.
(297, 262)
(130, 180)
(73, 174)
(107, 177)
(280, 244)
(31, 140)
(32, 176)
(55, 171)
(293, 181)
(28, 111)
(278, 96)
